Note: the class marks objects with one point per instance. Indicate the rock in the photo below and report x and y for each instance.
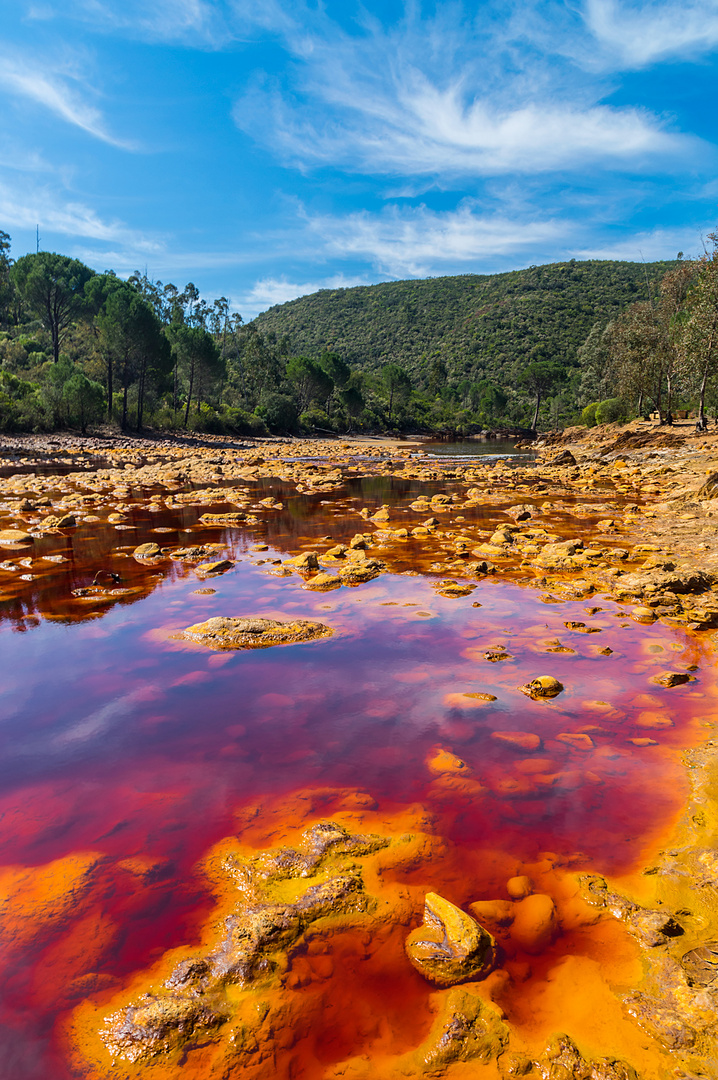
(236, 518)
(655, 720)
(455, 589)
(466, 1029)
(578, 740)
(496, 912)
(672, 678)
(710, 488)
(248, 633)
(545, 686)
(482, 567)
(147, 551)
(15, 536)
(193, 554)
(65, 522)
(565, 457)
(323, 582)
(521, 512)
(661, 1020)
(306, 561)
(653, 928)
(534, 926)
(643, 615)
(519, 887)
(257, 935)
(442, 761)
(562, 1060)
(358, 573)
(450, 947)
(701, 964)
(156, 1025)
(520, 740)
(209, 569)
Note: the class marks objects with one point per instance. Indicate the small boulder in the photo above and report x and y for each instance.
(210, 569)
(306, 561)
(672, 678)
(520, 886)
(450, 947)
(15, 536)
(534, 926)
(147, 551)
(545, 686)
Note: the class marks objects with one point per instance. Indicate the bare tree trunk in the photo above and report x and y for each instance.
(536, 414)
(189, 393)
(124, 407)
(109, 386)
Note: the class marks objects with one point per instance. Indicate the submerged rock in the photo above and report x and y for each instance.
(450, 947)
(247, 633)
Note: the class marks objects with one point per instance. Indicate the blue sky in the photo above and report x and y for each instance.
(264, 149)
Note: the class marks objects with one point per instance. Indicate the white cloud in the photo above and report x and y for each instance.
(44, 206)
(272, 290)
(416, 242)
(650, 245)
(447, 98)
(638, 34)
(23, 78)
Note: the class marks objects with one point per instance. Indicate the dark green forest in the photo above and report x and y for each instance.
(530, 349)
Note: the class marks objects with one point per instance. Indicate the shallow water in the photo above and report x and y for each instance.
(462, 449)
(131, 748)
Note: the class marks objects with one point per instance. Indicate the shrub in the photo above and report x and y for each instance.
(611, 411)
(588, 416)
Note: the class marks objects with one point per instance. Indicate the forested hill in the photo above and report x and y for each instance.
(479, 325)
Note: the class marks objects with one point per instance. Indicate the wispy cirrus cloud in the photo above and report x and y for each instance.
(63, 94)
(416, 241)
(452, 98)
(269, 291)
(23, 206)
(635, 35)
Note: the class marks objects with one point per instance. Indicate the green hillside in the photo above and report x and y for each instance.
(480, 326)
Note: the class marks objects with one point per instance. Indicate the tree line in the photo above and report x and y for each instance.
(660, 355)
(78, 348)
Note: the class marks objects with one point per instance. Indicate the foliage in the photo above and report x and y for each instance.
(611, 411)
(53, 288)
(588, 415)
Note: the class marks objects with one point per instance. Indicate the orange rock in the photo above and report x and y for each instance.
(443, 761)
(577, 741)
(519, 886)
(535, 925)
(653, 720)
(520, 740)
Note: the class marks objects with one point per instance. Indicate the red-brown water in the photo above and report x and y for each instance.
(136, 750)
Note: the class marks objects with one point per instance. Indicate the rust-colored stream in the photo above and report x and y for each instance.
(128, 753)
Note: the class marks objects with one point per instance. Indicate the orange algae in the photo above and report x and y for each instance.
(167, 749)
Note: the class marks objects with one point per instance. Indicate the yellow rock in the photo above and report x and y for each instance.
(147, 551)
(545, 686)
(14, 536)
(450, 947)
